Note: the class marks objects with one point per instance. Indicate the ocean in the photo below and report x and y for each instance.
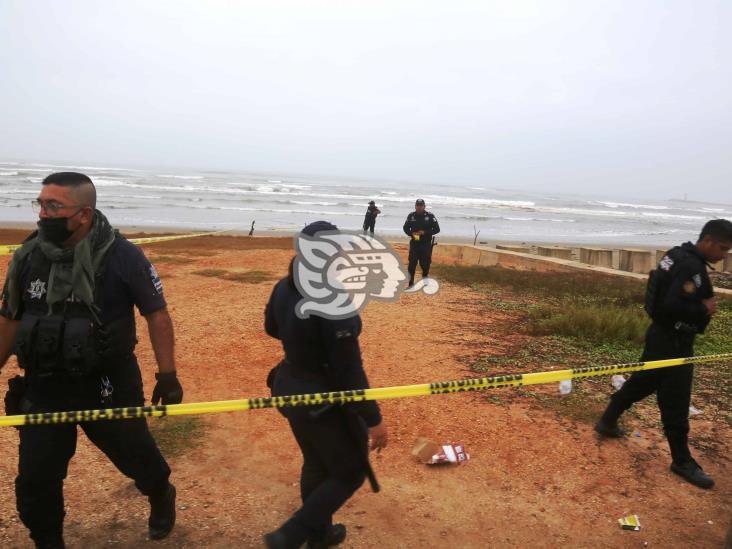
(211, 200)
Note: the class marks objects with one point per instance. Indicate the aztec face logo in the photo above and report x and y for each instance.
(338, 272)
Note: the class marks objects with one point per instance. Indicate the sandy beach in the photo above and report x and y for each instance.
(535, 478)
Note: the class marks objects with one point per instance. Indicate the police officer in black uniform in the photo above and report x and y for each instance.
(369, 221)
(67, 313)
(321, 355)
(681, 303)
(420, 227)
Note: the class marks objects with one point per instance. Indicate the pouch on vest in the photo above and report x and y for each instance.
(48, 344)
(78, 352)
(24, 339)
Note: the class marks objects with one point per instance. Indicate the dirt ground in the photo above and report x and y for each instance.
(534, 479)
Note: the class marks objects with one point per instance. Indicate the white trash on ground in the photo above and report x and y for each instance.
(618, 381)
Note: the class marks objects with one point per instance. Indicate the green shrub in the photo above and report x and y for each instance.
(594, 322)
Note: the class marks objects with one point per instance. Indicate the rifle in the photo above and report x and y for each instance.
(356, 428)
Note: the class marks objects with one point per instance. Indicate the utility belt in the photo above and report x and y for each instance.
(75, 346)
(678, 328)
(315, 373)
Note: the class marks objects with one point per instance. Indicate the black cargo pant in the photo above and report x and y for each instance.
(333, 469)
(671, 385)
(421, 252)
(45, 452)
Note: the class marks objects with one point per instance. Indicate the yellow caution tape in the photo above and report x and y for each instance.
(9, 249)
(343, 397)
(150, 239)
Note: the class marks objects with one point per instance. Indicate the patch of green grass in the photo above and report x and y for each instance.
(599, 323)
(213, 273)
(251, 277)
(721, 280)
(246, 277)
(177, 435)
(173, 260)
(578, 285)
(555, 353)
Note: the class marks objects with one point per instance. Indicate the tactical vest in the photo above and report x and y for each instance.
(68, 341)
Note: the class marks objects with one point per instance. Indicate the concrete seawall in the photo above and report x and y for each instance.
(629, 263)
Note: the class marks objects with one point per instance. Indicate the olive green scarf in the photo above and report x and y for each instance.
(72, 269)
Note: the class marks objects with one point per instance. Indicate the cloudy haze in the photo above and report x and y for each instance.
(597, 97)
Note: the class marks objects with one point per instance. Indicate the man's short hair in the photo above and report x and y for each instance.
(82, 185)
(67, 179)
(718, 229)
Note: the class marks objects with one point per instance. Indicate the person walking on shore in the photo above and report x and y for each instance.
(420, 227)
(680, 301)
(369, 221)
(68, 314)
(321, 355)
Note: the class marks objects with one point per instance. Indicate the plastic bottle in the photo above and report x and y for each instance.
(565, 386)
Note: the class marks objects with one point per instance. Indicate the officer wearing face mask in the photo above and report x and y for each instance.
(68, 314)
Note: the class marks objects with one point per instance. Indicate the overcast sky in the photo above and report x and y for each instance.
(599, 97)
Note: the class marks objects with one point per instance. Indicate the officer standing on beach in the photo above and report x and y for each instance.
(369, 220)
(68, 314)
(321, 355)
(680, 302)
(420, 226)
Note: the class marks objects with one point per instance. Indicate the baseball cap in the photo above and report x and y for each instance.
(419, 202)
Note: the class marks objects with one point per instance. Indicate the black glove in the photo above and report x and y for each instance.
(167, 389)
(16, 390)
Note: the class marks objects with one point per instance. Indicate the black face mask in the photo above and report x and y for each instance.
(54, 229)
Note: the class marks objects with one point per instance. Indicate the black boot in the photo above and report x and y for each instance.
(279, 540)
(49, 541)
(691, 472)
(335, 536)
(608, 429)
(162, 513)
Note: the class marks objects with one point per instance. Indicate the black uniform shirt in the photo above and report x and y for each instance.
(312, 343)
(426, 222)
(688, 285)
(129, 280)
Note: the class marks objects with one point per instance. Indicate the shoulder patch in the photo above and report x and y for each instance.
(155, 278)
(697, 280)
(666, 263)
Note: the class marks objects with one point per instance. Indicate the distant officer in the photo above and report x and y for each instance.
(681, 302)
(420, 226)
(321, 355)
(67, 312)
(370, 220)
